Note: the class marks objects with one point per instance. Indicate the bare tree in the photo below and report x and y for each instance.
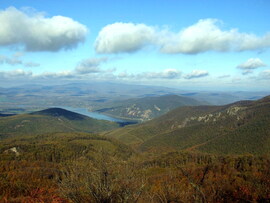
(199, 195)
(103, 180)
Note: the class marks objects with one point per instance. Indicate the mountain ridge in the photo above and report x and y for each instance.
(57, 112)
(52, 120)
(147, 108)
(205, 127)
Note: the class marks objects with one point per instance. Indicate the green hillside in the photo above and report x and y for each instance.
(59, 147)
(138, 134)
(50, 121)
(147, 108)
(241, 127)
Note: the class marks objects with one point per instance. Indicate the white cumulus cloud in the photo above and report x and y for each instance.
(251, 63)
(36, 32)
(197, 74)
(205, 35)
(124, 37)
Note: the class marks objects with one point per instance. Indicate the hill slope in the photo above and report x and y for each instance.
(241, 127)
(147, 108)
(50, 121)
(59, 147)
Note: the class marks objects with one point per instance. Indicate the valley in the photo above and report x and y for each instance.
(184, 150)
(100, 95)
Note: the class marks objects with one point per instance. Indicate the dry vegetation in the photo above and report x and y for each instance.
(108, 177)
(82, 167)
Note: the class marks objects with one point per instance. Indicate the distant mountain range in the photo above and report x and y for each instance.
(238, 128)
(98, 95)
(51, 121)
(147, 108)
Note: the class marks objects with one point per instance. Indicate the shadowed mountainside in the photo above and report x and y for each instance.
(59, 112)
(50, 121)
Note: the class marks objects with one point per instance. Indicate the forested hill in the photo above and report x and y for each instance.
(238, 128)
(50, 121)
(147, 108)
(59, 112)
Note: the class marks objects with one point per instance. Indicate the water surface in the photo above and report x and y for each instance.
(96, 115)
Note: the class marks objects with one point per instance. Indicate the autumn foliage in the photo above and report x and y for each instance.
(197, 178)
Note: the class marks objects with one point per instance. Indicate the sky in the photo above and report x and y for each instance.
(187, 44)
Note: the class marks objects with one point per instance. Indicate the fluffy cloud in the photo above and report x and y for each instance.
(35, 32)
(124, 37)
(200, 37)
(197, 74)
(251, 42)
(90, 65)
(251, 63)
(81, 71)
(205, 35)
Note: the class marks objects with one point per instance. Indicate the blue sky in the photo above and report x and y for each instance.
(214, 45)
